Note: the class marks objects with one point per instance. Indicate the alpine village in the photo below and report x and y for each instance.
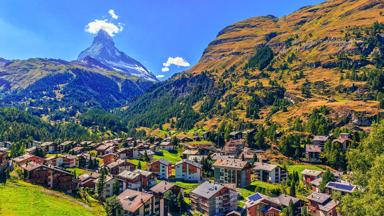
(280, 116)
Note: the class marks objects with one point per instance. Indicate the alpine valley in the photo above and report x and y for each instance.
(280, 116)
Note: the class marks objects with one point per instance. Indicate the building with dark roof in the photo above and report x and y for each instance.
(322, 204)
(133, 202)
(232, 171)
(269, 172)
(160, 202)
(261, 205)
(188, 170)
(213, 199)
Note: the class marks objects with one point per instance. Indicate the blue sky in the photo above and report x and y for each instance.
(153, 30)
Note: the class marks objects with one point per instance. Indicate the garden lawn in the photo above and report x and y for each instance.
(136, 162)
(169, 156)
(300, 167)
(24, 199)
(78, 171)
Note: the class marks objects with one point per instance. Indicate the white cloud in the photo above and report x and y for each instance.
(160, 76)
(178, 61)
(95, 26)
(165, 69)
(113, 14)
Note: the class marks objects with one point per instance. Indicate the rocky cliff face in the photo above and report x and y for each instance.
(103, 53)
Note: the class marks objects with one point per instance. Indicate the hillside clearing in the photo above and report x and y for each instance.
(24, 199)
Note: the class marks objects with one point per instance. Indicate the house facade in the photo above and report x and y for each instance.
(232, 171)
(135, 203)
(269, 172)
(162, 168)
(213, 199)
(187, 170)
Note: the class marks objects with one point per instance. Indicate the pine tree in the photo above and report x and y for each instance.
(101, 183)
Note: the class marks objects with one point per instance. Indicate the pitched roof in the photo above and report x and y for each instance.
(207, 189)
(163, 161)
(193, 163)
(320, 138)
(329, 206)
(264, 166)
(231, 163)
(162, 187)
(310, 172)
(318, 197)
(131, 200)
(312, 148)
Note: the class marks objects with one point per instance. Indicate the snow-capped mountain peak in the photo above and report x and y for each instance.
(104, 51)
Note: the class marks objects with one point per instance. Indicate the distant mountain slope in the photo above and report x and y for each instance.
(61, 89)
(268, 69)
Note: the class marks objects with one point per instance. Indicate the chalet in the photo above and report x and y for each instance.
(342, 187)
(88, 180)
(136, 180)
(125, 153)
(3, 159)
(55, 160)
(166, 146)
(87, 161)
(187, 170)
(269, 173)
(105, 149)
(313, 153)
(66, 146)
(214, 199)
(48, 176)
(233, 171)
(344, 139)
(190, 152)
(261, 205)
(108, 186)
(136, 203)
(49, 147)
(27, 158)
(310, 175)
(69, 161)
(234, 147)
(119, 166)
(162, 168)
(315, 184)
(322, 204)
(320, 141)
(77, 150)
(109, 158)
(160, 202)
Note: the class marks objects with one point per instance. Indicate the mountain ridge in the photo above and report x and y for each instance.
(313, 48)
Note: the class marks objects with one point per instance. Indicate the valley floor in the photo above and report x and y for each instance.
(24, 199)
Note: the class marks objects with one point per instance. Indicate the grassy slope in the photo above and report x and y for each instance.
(170, 157)
(21, 198)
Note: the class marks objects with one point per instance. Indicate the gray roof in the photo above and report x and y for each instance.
(319, 197)
(193, 163)
(328, 206)
(264, 166)
(310, 172)
(207, 190)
